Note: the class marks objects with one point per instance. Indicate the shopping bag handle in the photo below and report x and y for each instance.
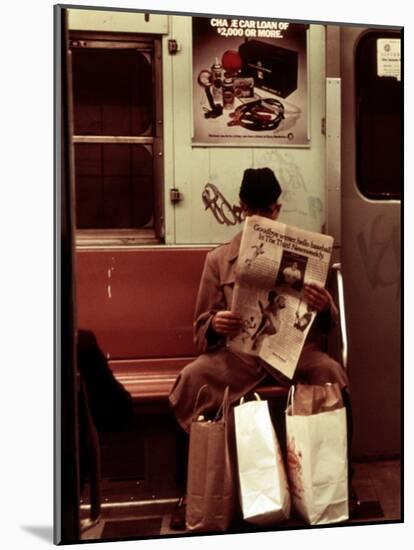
(257, 396)
(290, 397)
(196, 402)
(224, 407)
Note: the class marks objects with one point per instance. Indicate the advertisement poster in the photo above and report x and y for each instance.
(250, 84)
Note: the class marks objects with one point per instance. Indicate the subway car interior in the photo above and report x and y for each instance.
(158, 116)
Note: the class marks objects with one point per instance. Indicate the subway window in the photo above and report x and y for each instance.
(116, 105)
(378, 115)
(113, 186)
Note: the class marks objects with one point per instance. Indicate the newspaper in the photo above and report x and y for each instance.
(275, 261)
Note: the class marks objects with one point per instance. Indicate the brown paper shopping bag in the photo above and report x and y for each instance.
(317, 453)
(210, 485)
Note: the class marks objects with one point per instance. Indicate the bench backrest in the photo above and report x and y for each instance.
(139, 302)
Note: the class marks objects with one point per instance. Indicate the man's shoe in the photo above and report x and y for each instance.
(177, 522)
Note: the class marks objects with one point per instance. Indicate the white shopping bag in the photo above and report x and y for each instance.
(317, 453)
(264, 490)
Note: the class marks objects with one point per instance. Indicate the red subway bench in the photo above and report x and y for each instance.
(150, 386)
(139, 302)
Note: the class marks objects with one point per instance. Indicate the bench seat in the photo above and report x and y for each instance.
(150, 383)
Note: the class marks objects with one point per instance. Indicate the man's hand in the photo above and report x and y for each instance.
(316, 296)
(226, 323)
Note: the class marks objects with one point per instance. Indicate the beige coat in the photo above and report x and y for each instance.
(219, 367)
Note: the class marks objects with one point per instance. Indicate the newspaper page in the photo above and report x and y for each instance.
(275, 261)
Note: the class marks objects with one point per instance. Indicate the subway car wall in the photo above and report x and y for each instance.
(187, 194)
(158, 157)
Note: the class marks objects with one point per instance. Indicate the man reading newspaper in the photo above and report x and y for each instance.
(216, 324)
(276, 293)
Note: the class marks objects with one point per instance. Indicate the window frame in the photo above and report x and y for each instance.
(145, 43)
(382, 196)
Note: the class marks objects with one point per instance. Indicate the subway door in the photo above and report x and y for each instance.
(371, 187)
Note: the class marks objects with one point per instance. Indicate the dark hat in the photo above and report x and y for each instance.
(259, 188)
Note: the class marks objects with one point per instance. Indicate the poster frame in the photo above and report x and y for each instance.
(226, 143)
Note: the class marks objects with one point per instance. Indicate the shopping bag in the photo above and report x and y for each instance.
(317, 453)
(264, 492)
(210, 484)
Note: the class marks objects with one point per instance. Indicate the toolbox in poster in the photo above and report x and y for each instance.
(249, 82)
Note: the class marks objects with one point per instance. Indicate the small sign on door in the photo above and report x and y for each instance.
(389, 57)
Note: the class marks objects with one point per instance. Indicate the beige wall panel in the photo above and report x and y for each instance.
(116, 21)
(189, 213)
(190, 166)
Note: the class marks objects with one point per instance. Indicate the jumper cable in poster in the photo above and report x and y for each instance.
(249, 82)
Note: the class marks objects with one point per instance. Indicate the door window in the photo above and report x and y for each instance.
(379, 114)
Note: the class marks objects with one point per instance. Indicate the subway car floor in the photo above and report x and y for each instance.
(124, 516)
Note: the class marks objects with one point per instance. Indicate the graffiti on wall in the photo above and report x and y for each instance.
(295, 194)
(295, 198)
(224, 212)
(379, 247)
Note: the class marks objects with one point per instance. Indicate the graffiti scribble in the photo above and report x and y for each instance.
(315, 207)
(222, 210)
(381, 253)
